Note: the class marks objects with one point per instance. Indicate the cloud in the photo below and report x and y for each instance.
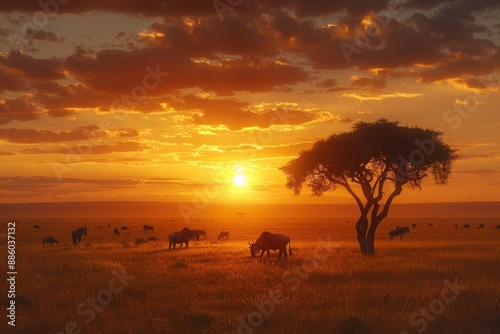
(117, 71)
(33, 136)
(380, 97)
(119, 147)
(20, 108)
(12, 80)
(36, 69)
(42, 35)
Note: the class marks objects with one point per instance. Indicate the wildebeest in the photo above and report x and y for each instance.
(77, 234)
(153, 239)
(124, 228)
(116, 232)
(202, 233)
(481, 226)
(49, 240)
(182, 237)
(268, 241)
(37, 227)
(431, 225)
(399, 232)
(223, 235)
(414, 225)
(148, 228)
(466, 226)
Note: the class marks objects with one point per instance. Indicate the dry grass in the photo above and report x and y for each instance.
(206, 288)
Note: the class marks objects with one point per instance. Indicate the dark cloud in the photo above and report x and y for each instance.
(12, 80)
(20, 109)
(36, 69)
(116, 71)
(42, 35)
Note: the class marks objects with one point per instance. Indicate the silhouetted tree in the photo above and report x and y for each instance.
(367, 161)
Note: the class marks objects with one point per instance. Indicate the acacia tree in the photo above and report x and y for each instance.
(373, 162)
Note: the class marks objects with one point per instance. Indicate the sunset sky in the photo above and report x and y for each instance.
(167, 100)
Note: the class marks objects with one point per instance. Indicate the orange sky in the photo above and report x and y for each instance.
(169, 102)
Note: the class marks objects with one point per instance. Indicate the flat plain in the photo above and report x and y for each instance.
(438, 279)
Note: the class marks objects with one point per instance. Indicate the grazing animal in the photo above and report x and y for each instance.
(182, 237)
(202, 233)
(153, 238)
(498, 226)
(414, 225)
(223, 235)
(148, 228)
(49, 240)
(481, 226)
(466, 226)
(37, 227)
(268, 241)
(124, 228)
(77, 234)
(431, 225)
(399, 232)
(116, 232)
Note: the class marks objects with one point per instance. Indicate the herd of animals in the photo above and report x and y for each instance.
(400, 231)
(267, 241)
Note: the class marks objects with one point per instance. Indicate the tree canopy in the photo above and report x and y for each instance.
(364, 160)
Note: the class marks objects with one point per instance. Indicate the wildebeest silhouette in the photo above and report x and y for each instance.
(202, 233)
(182, 237)
(148, 228)
(153, 239)
(223, 235)
(37, 227)
(399, 232)
(76, 235)
(124, 228)
(481, 226)
(116, 232)
(431, 225)
(268, 241)
(49, 240)
(414, 225)
(466, 226)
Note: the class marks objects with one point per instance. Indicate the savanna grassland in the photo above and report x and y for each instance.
(327, 286)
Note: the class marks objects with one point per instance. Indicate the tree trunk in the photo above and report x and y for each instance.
(366, 240)
(362, 227)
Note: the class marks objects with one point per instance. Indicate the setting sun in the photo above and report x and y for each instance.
(239, 180)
